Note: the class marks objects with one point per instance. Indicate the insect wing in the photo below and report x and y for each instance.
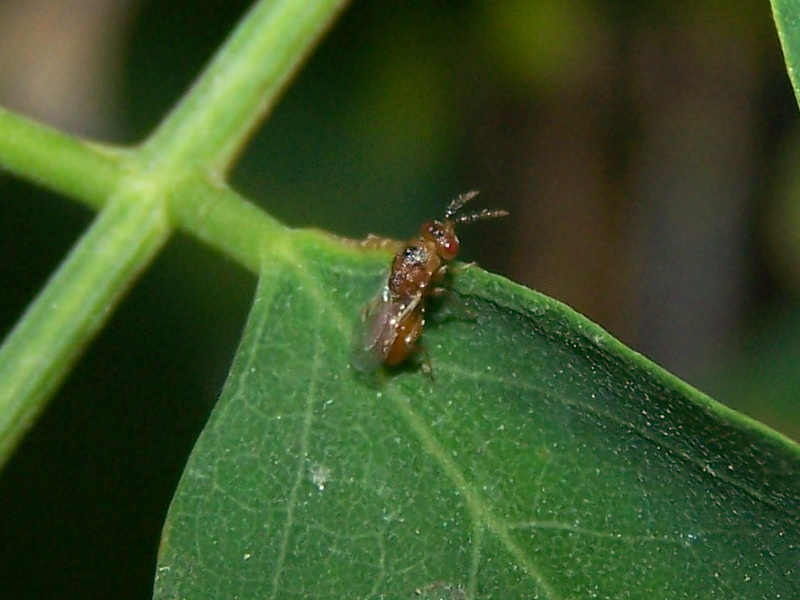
(377, 329)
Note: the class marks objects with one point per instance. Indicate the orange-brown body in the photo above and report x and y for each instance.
(392, 323)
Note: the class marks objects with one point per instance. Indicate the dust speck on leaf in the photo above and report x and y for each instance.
(320, 475)
(440, 590)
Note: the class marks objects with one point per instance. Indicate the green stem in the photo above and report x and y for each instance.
(245, 78)
(40, 350)
(225, 221)
(73, 167)
(174, 178)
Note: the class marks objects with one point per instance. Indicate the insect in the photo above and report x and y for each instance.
(391, 324)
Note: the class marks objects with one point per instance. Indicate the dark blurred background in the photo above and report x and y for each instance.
(648, 152)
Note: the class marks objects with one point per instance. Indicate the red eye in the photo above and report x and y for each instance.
(448, 246)
(442, 234)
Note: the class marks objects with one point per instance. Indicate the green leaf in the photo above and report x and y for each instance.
(787, 20)
(545, 460)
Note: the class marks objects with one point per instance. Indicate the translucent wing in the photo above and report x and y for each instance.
(377, 329)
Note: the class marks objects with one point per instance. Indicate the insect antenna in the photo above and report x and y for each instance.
(480, 216)
(459, 202)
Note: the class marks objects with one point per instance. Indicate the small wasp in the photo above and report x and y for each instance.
(392, 323)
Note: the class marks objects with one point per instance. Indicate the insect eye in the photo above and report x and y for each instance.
(444, 238)
(441, 234)
(448, 246)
